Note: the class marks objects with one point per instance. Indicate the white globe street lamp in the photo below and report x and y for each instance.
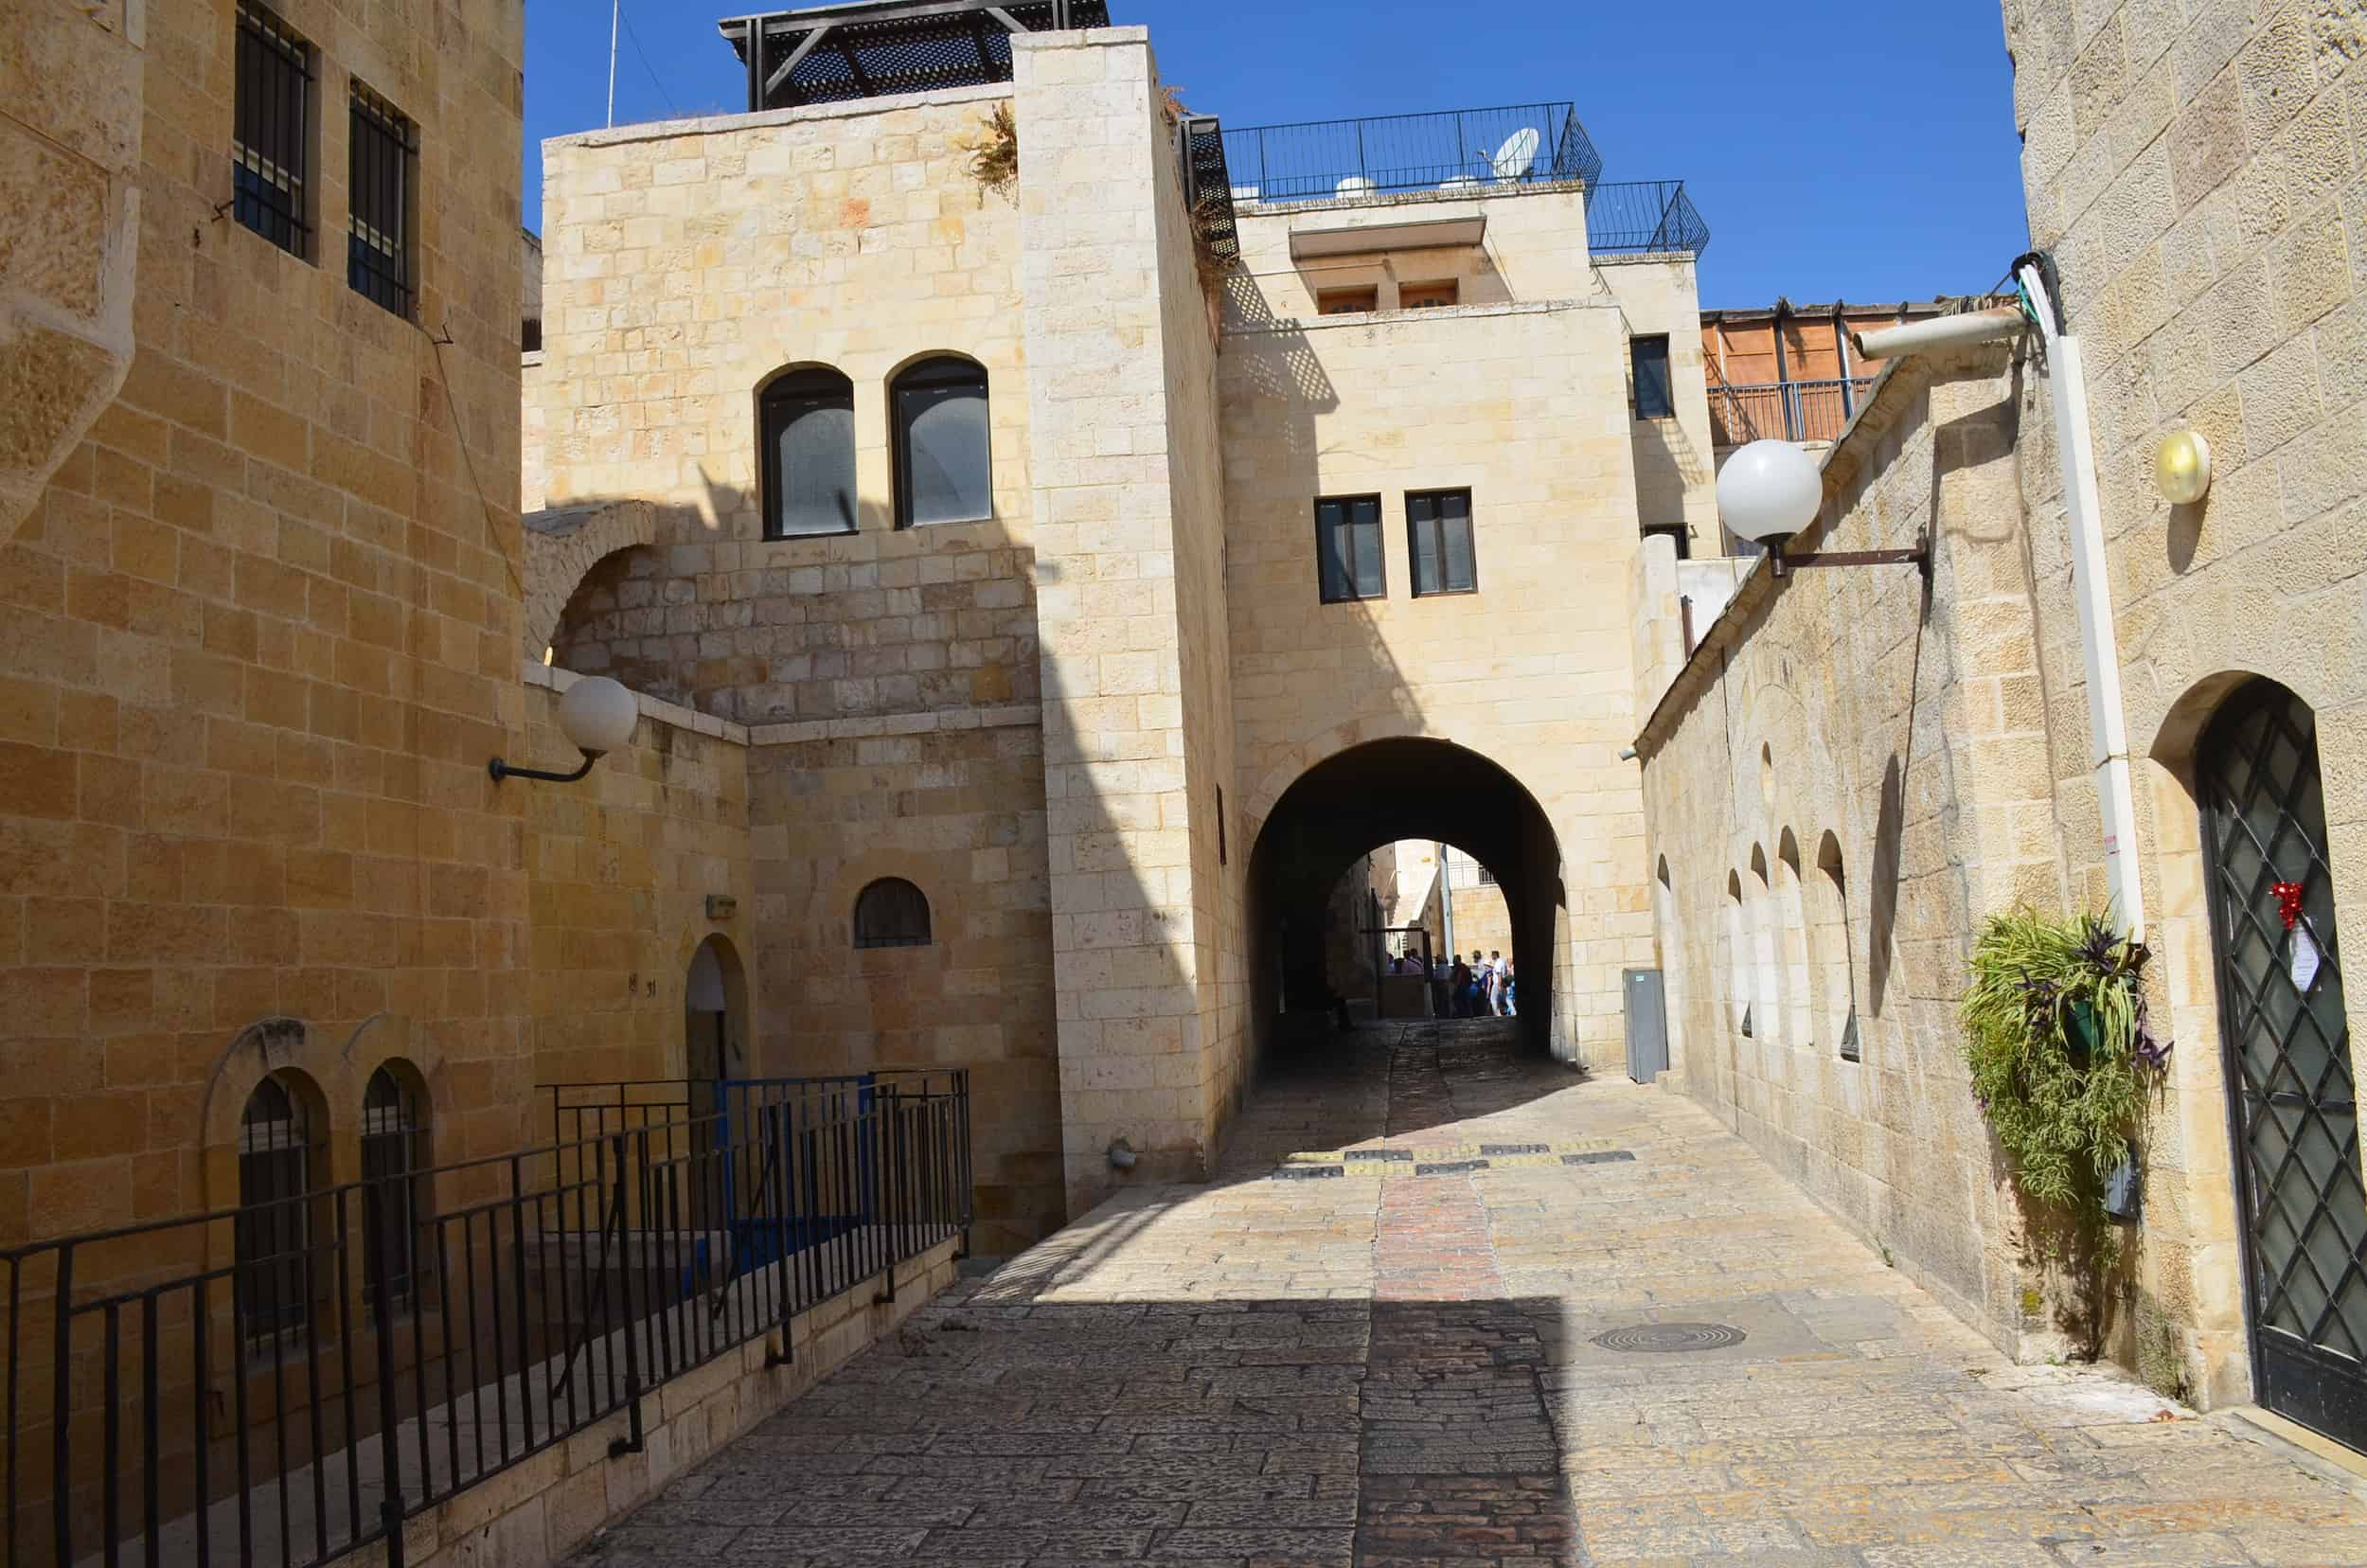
(1770, 490)
(596, 715)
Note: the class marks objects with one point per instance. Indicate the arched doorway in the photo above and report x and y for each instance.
(2292, 1092)
(715, 1029)
(1389, 791)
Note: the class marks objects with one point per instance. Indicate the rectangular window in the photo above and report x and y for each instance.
(1347, 548)
(1438, 538)
(270, 129)
(1426, 296)
(1677, 532)
(1649, 358)
(1346, 301)
(380, 260)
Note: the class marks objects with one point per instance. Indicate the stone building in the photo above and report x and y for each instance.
(1850, 771)
(1099, 549)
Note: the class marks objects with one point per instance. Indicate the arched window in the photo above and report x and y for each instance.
(274, 1230)
(943, 468)
(393, 1153)
(1734, 937)
(808, 422)
(1837, 966)
(1767, 986)
(891, 913)
(1792, 942)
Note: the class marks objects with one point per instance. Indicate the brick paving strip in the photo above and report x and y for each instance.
(1292, 1373)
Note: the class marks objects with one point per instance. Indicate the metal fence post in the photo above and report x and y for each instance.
(631, 1442)
(60, 1409)
(382, 1331)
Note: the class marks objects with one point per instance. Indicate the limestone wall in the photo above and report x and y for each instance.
(1675, 472)
(2197, 180)
(1525, 404)
(851, 236)
(72, 85)
(619, 871)
(258, 635)
(1841, 783)
(957, 812)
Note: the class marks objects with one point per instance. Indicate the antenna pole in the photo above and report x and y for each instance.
(614, 8)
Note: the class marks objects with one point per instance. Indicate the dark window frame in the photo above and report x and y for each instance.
(888, 903)
(1323, 580)
(273, 1234)
(804, 389)
(393, 1146)
(1436, 522)
(933, 373)
(1665, 388)
(272, 104)
(381, 187)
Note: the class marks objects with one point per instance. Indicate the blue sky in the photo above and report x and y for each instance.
(1826, 169)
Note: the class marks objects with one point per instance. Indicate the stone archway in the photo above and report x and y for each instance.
(562, 547)
(1369, 793)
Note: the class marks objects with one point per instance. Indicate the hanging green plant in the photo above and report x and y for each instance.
(2063, 1060)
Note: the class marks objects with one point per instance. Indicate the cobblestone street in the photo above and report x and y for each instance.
(1447, 1306)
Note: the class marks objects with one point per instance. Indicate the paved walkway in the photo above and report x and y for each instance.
(1374, 1339)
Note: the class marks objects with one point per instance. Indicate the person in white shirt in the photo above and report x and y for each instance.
(1495, 984)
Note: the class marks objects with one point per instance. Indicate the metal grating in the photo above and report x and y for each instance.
(2287, 1048)
(874, 48)
(1644, 218)
(1457, 151)
(1207, 186)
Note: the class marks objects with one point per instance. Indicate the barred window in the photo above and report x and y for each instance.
(274, 1232)
(394, 1136)
(1439, 530)
(891, 913)
(270, 129)
(1347, 548)
(380, 261)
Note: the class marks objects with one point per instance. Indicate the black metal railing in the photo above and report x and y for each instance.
(152, 1419)
(1786, 410)
(1457, 150)
(1643, 217)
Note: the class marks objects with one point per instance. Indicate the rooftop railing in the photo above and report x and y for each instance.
(1642, 218)
(1786, 411)
(1457, 150)
(289, 1380)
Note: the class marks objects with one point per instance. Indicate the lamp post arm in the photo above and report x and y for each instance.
(501, 770)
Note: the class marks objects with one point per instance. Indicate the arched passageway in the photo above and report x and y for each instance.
(1372, 794)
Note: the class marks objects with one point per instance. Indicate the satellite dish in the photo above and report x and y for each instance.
(1355, 185)
(1519, 152)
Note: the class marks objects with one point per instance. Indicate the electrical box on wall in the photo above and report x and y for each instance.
(722, 906)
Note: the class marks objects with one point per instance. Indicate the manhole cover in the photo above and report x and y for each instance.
(1671, 1336)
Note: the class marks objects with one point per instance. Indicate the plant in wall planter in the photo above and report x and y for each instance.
(2065, 1067)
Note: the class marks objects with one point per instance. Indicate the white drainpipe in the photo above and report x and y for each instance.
(2091, 589)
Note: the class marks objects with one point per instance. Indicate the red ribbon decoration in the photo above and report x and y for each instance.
(2289, 896)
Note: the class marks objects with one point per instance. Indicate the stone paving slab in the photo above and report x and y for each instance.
(1399, 1364)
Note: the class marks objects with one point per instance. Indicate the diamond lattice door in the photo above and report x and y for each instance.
(2289, 1061)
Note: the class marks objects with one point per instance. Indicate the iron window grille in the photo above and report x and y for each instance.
(1648, 356)
(1438, 537)
(1487, 878)
(891, 913)
(808, 418)
(384, 155)
(393, 1140)
(271, 120)
(944, 452)
(1347, 548)
(272, 1235)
